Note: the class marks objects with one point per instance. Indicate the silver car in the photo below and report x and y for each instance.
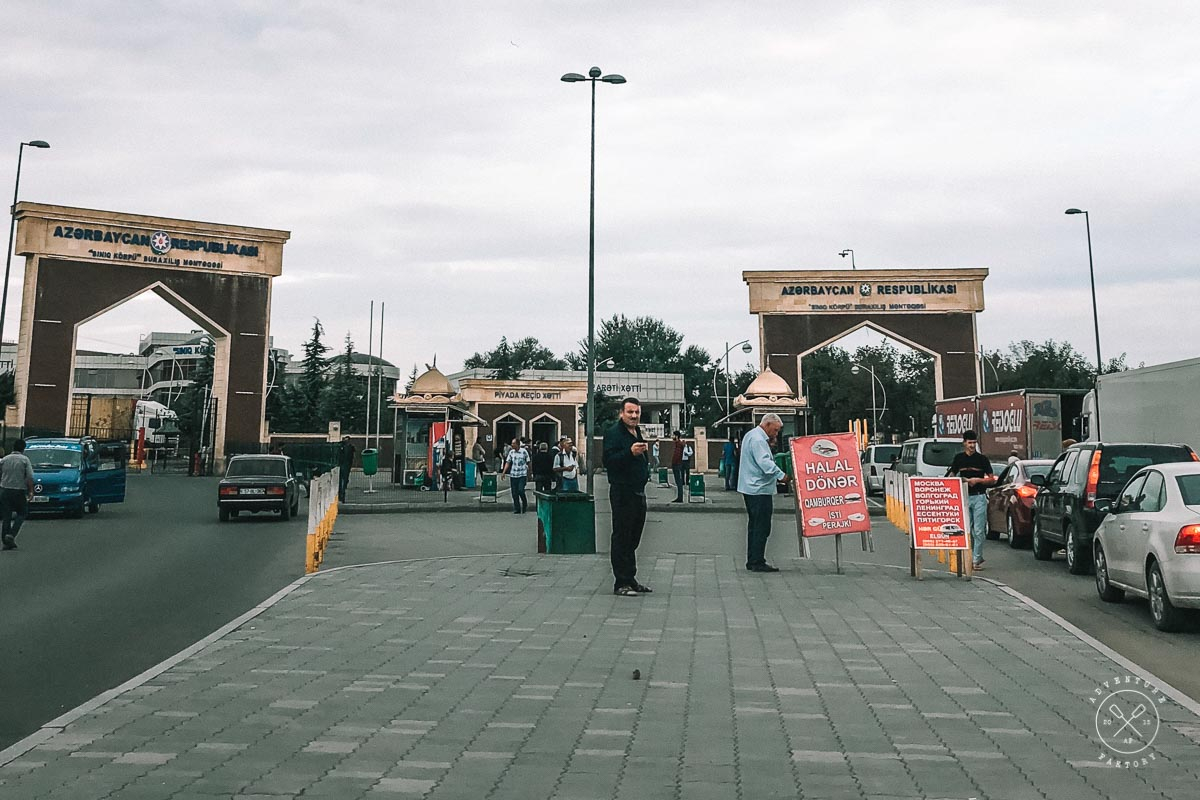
(1149, 544)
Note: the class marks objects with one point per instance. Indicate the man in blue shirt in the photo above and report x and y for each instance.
(757, 475)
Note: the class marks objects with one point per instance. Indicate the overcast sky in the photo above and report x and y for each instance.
(427, 155)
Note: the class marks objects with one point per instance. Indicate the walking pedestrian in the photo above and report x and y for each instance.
(727, 465)
(628, 466)
(16, 490)
(566, 466)
(345, 464)
(516, 467)
(975, 467)
(543, 468)
(678, 467)
(758, 475)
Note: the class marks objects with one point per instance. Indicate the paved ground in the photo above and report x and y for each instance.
(514, 677)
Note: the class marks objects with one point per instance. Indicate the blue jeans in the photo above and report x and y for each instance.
(977, 514)
(568, 484)
(518, 494)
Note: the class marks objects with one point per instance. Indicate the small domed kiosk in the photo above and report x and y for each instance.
(769, 393)
(430, 417)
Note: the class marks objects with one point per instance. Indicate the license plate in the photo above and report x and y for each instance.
(38, 498)
(253, 491)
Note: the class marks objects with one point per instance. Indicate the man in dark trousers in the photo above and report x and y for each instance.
(16, 490)
(628, 465)
(975, 467)
(345, 463)
(757, 476)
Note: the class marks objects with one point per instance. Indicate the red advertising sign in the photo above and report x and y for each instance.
(1002, 425)
(938, 513)
(831, 497)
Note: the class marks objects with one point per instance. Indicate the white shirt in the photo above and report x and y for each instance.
(562, 459)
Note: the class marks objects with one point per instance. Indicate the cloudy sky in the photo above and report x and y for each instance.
(426, 155)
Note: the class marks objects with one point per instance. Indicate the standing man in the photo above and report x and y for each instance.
(757, 475)
(479, 456)
(566, 466)
(975, 467)
(628, 465)
(679, 467)
(727, 465)
(345, 463)
(516, 467)
(16, 490)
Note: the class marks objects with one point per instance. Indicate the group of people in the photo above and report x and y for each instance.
(553, 470)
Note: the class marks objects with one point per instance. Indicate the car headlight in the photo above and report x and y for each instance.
(68, 489)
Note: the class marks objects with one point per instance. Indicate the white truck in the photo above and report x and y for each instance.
(152, 416)
(1148, 404)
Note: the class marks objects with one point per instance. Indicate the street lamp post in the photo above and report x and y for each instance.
(875, 411)
(849, 252)
(747, 349)
(1095, 315)
(574, 77)
(12, 227)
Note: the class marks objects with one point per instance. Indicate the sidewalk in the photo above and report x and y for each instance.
(388, 499)
(514, 676)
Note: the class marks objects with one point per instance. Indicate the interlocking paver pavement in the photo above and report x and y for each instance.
(513, 677)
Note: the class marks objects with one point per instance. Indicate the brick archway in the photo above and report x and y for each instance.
(82, 263)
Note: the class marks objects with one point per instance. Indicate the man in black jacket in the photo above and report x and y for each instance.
(628, 466)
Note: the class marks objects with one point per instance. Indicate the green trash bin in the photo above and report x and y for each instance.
(566, 522)
(487, 488)
(662, 477)
(784, 462)
(370, 461)
(696, 487)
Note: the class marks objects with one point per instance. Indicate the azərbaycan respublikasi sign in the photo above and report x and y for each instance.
(160, 241)
(866, 289)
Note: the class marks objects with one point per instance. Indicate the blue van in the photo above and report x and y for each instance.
(73, 475)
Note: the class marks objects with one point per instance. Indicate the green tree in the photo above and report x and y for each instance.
(412, 378)
(312, 380)
(8, 393)
(343, 397)
(507, 360)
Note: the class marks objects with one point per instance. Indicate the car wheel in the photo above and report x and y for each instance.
(285, 512)
(76, 513)
(1042, 550)
(1108, 593)
(1014, 541)
(1079, 560)
(1165, 615)
(296, 505)
(223, 513)
(93, 507)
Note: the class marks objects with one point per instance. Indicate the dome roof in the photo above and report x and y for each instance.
(769, 384)
(432, 382)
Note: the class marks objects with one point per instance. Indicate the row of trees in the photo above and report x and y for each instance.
(835, 393)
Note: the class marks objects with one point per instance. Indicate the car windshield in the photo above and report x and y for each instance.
(884, 453)
(1121, 461)
(53, 458)
(1189, 487)
(256, 467)
(940, 454)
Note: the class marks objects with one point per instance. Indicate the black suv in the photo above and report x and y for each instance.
(1065, 512)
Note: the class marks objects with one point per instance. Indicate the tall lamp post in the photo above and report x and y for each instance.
(574, 77)
(855, 367)
(848, 252)
(1095, 315)
(747, 349)
(12, 227)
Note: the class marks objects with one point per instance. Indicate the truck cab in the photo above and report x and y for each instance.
(72, 475)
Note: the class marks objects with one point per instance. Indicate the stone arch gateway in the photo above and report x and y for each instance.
(81, 263)
(932, 310)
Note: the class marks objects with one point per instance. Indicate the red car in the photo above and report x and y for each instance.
(1010, 501)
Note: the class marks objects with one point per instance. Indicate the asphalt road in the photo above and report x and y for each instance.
(87, 604)
(1125, 627)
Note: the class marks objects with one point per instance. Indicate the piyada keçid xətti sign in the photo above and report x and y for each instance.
(938, 513)
(829, 489)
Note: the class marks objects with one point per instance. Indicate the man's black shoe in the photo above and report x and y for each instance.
(676, 501)
(9, 543)
(763, 568)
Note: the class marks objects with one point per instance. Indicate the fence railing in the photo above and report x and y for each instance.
(322, 512)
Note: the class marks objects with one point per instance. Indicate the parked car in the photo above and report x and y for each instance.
(1149, 544)
(929, 457)
(875, 459)
(1065, 513)
(258, 483)
(1010, 501)
(72, 475)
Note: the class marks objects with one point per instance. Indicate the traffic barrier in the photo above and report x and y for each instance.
(322, 512)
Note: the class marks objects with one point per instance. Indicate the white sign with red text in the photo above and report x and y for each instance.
(830, 494)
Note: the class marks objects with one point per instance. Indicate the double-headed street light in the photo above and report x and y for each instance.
(574, 77)
(876, 412)
(747, 348)
(848, 252)
(1095, 315)
(12, 227)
